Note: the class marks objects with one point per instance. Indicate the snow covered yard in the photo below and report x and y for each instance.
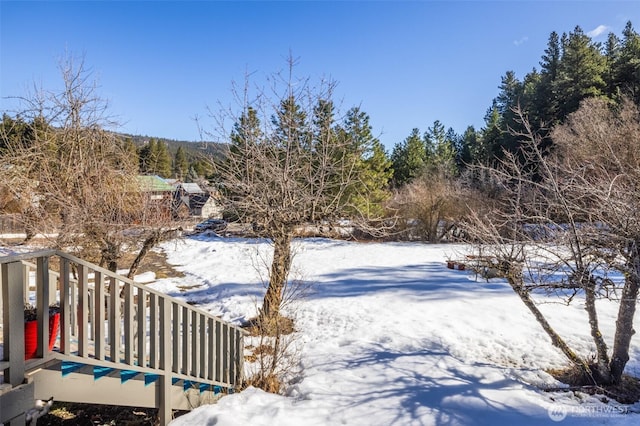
(389, 336)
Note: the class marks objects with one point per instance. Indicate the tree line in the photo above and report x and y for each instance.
(572, 68)
(185, 161)
(430, 169)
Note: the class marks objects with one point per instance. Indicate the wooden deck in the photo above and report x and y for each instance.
(119, 343)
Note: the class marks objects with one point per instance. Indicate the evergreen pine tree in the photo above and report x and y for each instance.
(290, 123)
(612, 63)
(408, 158)
(628, 69)
(529, 95)
(442, 144)
(200, 170)
(246, 130)
(246, 134)
(491, 140)
(14, 131)
(509, 98)
(146, 157)
(468, 148)
(192, 174)
(163, 160)
(580, 73)
(546, 105)
(180, 164)
(324, 131)
(369, 190)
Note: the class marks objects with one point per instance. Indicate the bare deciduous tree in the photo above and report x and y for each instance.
(72, 174)
(289, 164)
(430, 206)
(567, 221)
(600, 149)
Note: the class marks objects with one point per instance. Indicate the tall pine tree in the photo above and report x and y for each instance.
(628, 68)
(442, 143)
(581, 71)
(369, 192)
(180, 164)
(547, 102)
(612, 62)
(408, 158)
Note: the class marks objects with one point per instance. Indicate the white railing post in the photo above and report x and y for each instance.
(219, 359)
(42, 304)
(128, 323)
(82, 311)
(211, 349)
(13, 315)
(53, 286)
(65, 307)
(240, 359)
(73, 304)
(176, 339)
(25, 281)
(114, 319)
(186, 339)
(195, 344)
(153, 330)
(164, 411)
(99, 316)
(226, 352)
(142, 328)
(203, 346)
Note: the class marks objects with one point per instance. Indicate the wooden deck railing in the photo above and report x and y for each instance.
(111, 321)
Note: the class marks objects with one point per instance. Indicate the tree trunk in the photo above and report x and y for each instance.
(278, 277)
(603, 373)
(148, 244)
(626, 312)
(110, 256)
(515, 280)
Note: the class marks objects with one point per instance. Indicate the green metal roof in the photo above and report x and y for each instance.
(154, 184)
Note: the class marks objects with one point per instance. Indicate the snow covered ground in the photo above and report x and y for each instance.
(390, 336)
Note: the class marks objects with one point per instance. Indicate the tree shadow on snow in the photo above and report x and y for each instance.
(431, 385)
(430, 280)
(220, 291)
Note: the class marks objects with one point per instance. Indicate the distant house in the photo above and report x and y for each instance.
(158, 197)
(200, 202)
(206, 206)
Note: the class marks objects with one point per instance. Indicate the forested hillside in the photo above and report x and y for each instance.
(170, 158)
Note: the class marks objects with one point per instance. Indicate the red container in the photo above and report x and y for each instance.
(31, 335)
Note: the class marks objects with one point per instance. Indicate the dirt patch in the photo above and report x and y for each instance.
(625, 392)
(64, 413)
(155, 261)
(280, 326)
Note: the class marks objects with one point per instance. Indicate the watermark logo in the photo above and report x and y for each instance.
(559, 412)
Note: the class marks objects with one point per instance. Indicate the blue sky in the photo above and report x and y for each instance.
(407, 64)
